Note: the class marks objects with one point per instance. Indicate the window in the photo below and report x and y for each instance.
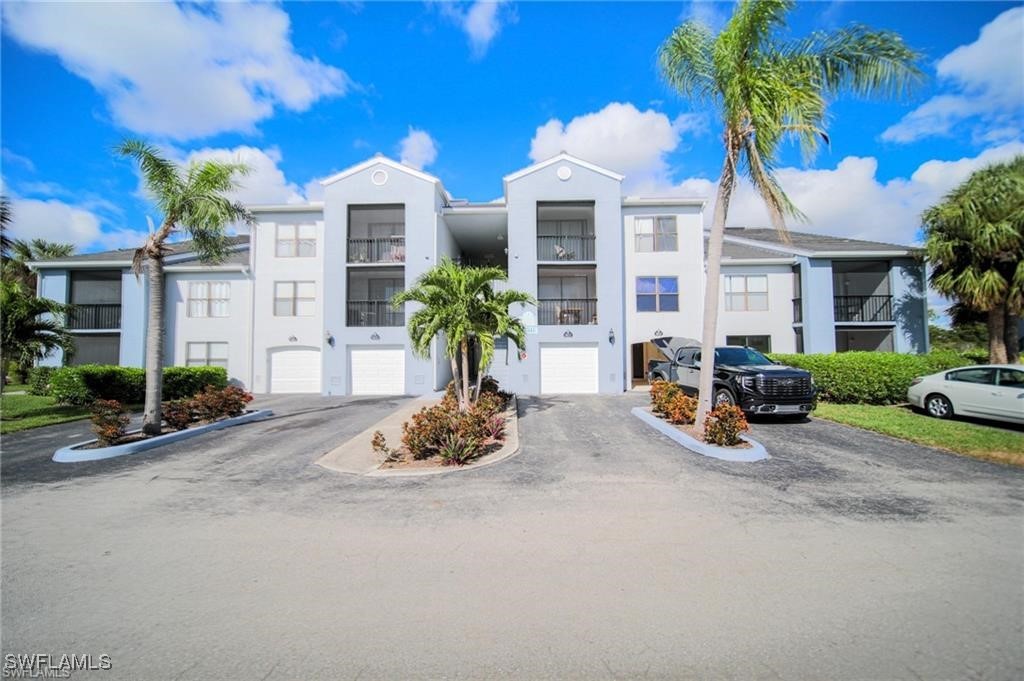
(982, 376)
(206, 355)
(1011, 378)
(296, 241)
(294, 298)
(657, 294)
(208, 298)
(657, 234)
(746, 293)
(761, 343)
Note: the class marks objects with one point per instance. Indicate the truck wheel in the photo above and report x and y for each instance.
(723, 396)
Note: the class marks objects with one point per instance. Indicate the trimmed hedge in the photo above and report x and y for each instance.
(39, 380)
(81, 385)
(870, 377)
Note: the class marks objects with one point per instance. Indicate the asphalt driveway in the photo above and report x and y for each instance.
(602, 550)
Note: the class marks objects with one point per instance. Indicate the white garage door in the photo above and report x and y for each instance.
(377, 371)
(295, 370)
(568, 369)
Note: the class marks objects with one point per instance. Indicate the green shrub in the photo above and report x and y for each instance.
(443, 430)
(82, 384)
(39, 380)
(180, 382)
(109, 421)
(870, 377)
(456, 449)
(724, 424)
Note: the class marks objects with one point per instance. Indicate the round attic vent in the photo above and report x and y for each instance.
(379, 177)
(564, 173)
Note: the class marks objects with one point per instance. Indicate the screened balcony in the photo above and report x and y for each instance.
(861, 291)
(566, 296)
(95, 296)
(376, 234)
(369, 297)
(565, 232)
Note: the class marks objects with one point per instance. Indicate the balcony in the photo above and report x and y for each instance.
(565, 248)
(373, 313)
(862, 308)
(566, 311)
(385, 249)
(94, 316)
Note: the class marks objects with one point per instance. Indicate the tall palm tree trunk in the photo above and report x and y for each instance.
(712, 282)
(1011, 334)
(151, 416)
(997, 335)
(464, 405)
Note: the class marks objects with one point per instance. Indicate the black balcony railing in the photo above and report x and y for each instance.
(567, 311)
(560, 248)
(95, 316)
(862, 308)
(378, 249)
(798, 310)
(373, 313)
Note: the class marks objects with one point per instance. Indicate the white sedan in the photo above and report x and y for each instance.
(991, 392)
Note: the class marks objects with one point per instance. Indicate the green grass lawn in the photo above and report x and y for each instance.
(990, 443)
(15, 387)
(21, 412)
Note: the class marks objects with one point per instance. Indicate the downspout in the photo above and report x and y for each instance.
(252, 308)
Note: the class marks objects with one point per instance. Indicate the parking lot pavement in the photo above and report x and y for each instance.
(602, 550)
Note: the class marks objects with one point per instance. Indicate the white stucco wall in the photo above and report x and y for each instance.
(274, 333)
(686, 264)
(776, 321)
(235, 329)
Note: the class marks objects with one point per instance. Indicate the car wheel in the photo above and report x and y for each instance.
(938, 406)
(724, 396)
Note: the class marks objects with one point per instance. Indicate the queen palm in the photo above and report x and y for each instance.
(460, 304)
(766, 89)
(194, 201)
(32, 327)
(23, 252)
(974, 242)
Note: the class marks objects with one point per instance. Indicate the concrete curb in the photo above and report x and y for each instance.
(71, 454)
(756, 452)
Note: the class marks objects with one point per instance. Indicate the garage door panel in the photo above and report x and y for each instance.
(377, 370)
(568, 368)
(295, 371)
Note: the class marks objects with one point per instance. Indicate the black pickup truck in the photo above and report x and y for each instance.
(743, 376)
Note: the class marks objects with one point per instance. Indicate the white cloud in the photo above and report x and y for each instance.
(55, 220)
(711, 13)
(417, 149)
(17, 159)
(481, 21)
(619, 137)
(849, 200)
(265, 183)
(179, 71)
(984, 84)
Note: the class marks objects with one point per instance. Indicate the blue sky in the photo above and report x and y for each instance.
(470, 92)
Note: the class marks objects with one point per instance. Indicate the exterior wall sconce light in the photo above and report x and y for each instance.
(567, 334)
(375, 336)
(330, 339)
(659, 332)
(292, 339)
(611, 336)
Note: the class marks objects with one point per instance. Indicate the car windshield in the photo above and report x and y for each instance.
(740, 357)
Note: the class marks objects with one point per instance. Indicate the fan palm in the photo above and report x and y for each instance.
(974, 242)
(767, 89)
(460, 304)
(194, 201)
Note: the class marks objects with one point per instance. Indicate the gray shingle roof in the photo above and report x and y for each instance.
(239, 257)
(815, 243)
(734, 251)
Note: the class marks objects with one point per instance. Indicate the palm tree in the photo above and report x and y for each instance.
(974, 242)
(32, 327)
(461, 304)
(21, 253)
(5, 223)
(767, 89)
(193, 201)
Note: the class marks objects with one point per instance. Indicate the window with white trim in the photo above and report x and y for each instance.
(209, 298)
(294, 298)
(206, 354)
(656, 234)
(657, 294)
(746, 292)
(296, 241)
